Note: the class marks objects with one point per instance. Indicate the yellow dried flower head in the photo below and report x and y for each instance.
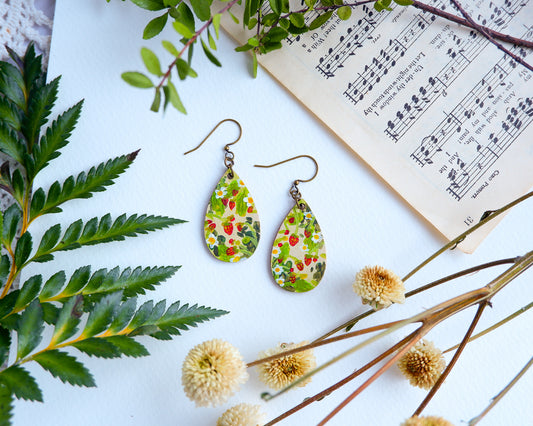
(242, 415)
(379, 287)
(281, 372)
(426, 421)
(422, 364)
(212, 372)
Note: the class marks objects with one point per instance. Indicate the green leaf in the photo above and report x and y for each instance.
(78, 280)
(150, 4)
(176, 318)
(157, 101)
(209, 55)
(7, 303)
(49, 240)
(137, 79)
(344, 12)
(404, 2)
(40, 106)
(30, 329)
(183, 29)
(29, 291)
(155, 26)
(21, 383)
(216, 23)
(202, 9)
(170, 48)
(18, 186)
(12, 218)
(23, 249)
(254, 64)
(101, 315)
(183, 68)
(128, 346)
(52, 286)
(186, 16)
(5, 344)
(310, 3)
(98, 347)
(10, 114)
(276, 6)
(68, 320)
(277, 34)
(123, 315)
(151, 62)
(85, 185)
(320, 20)
(55, 138)
(12, 84)
(11, 144)
(171, 95)
(6, 406)
(297, 19)
(211, 41)
(65, 367)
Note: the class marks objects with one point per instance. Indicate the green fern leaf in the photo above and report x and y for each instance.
(105, 231)
(101, 315)
(40, 104)
(21, 383)
(5, 344)
(12, 218)
(10, 114)
(12, 84)
(65, 367)
(67, 321)
(127, 346)
(30, 329)
(6, 406)
(176, 318)
(11, 143)
(52, 286)
(83, 187)
(55, 138)
(97, 347)
(29, 291)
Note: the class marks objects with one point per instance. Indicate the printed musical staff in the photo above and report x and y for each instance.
(474, 101)
(354, 38)
(387, 58)
(462, 177)
(461, 55)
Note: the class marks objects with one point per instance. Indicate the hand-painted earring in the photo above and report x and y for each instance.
(298, 256)
(231, 224)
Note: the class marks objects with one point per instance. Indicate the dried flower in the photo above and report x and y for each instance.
(426, 421)
(379, 287)
(281, 372)
(422, 364)
(212, 372)
(242, 415)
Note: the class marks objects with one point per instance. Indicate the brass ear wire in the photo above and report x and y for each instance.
(229, 155)
(294, 192)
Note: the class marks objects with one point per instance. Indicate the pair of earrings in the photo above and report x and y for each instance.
(232, 228)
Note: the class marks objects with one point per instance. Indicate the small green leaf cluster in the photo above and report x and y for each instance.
(183, 21)
(272, 22)
(105, 301)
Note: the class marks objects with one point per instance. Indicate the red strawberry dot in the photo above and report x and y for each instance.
(280, 244)
(235, 192)
(287, 232)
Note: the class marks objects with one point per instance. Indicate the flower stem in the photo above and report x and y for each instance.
(453, 243)
(494, 326)
(350, 323)
(501, 394)
(452, 363)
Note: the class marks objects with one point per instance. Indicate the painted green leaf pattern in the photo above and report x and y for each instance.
(231, 225)
(299, 253)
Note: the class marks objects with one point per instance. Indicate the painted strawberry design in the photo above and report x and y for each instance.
(235, 192)
(240, 226)
(280, 244)
(307, 233)
(291, 220)
(293, 240)
(230, 251)
(250, 209)
(228, 228)
(231, 241)
(300, 266)
(225, 202)
(308, 260)
(232, 205)
(211, 224)
(292, 279)
(287, 232)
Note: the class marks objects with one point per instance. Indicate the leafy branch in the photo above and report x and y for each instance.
(269, 22)
(105, 300)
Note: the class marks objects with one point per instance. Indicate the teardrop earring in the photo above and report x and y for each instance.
(231, 225)
(298, 257)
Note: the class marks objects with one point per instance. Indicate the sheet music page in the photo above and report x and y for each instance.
(433, 107)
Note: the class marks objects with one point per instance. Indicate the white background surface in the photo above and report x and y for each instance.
(362, 220)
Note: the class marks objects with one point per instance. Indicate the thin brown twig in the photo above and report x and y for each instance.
(489, 37)
(342, 382)
(453, 361)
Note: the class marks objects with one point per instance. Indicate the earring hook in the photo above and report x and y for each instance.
(294, 191)
(297, 181)
(226, 148)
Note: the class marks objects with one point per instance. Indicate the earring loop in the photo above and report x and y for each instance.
(226, 148)
(294, 191)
